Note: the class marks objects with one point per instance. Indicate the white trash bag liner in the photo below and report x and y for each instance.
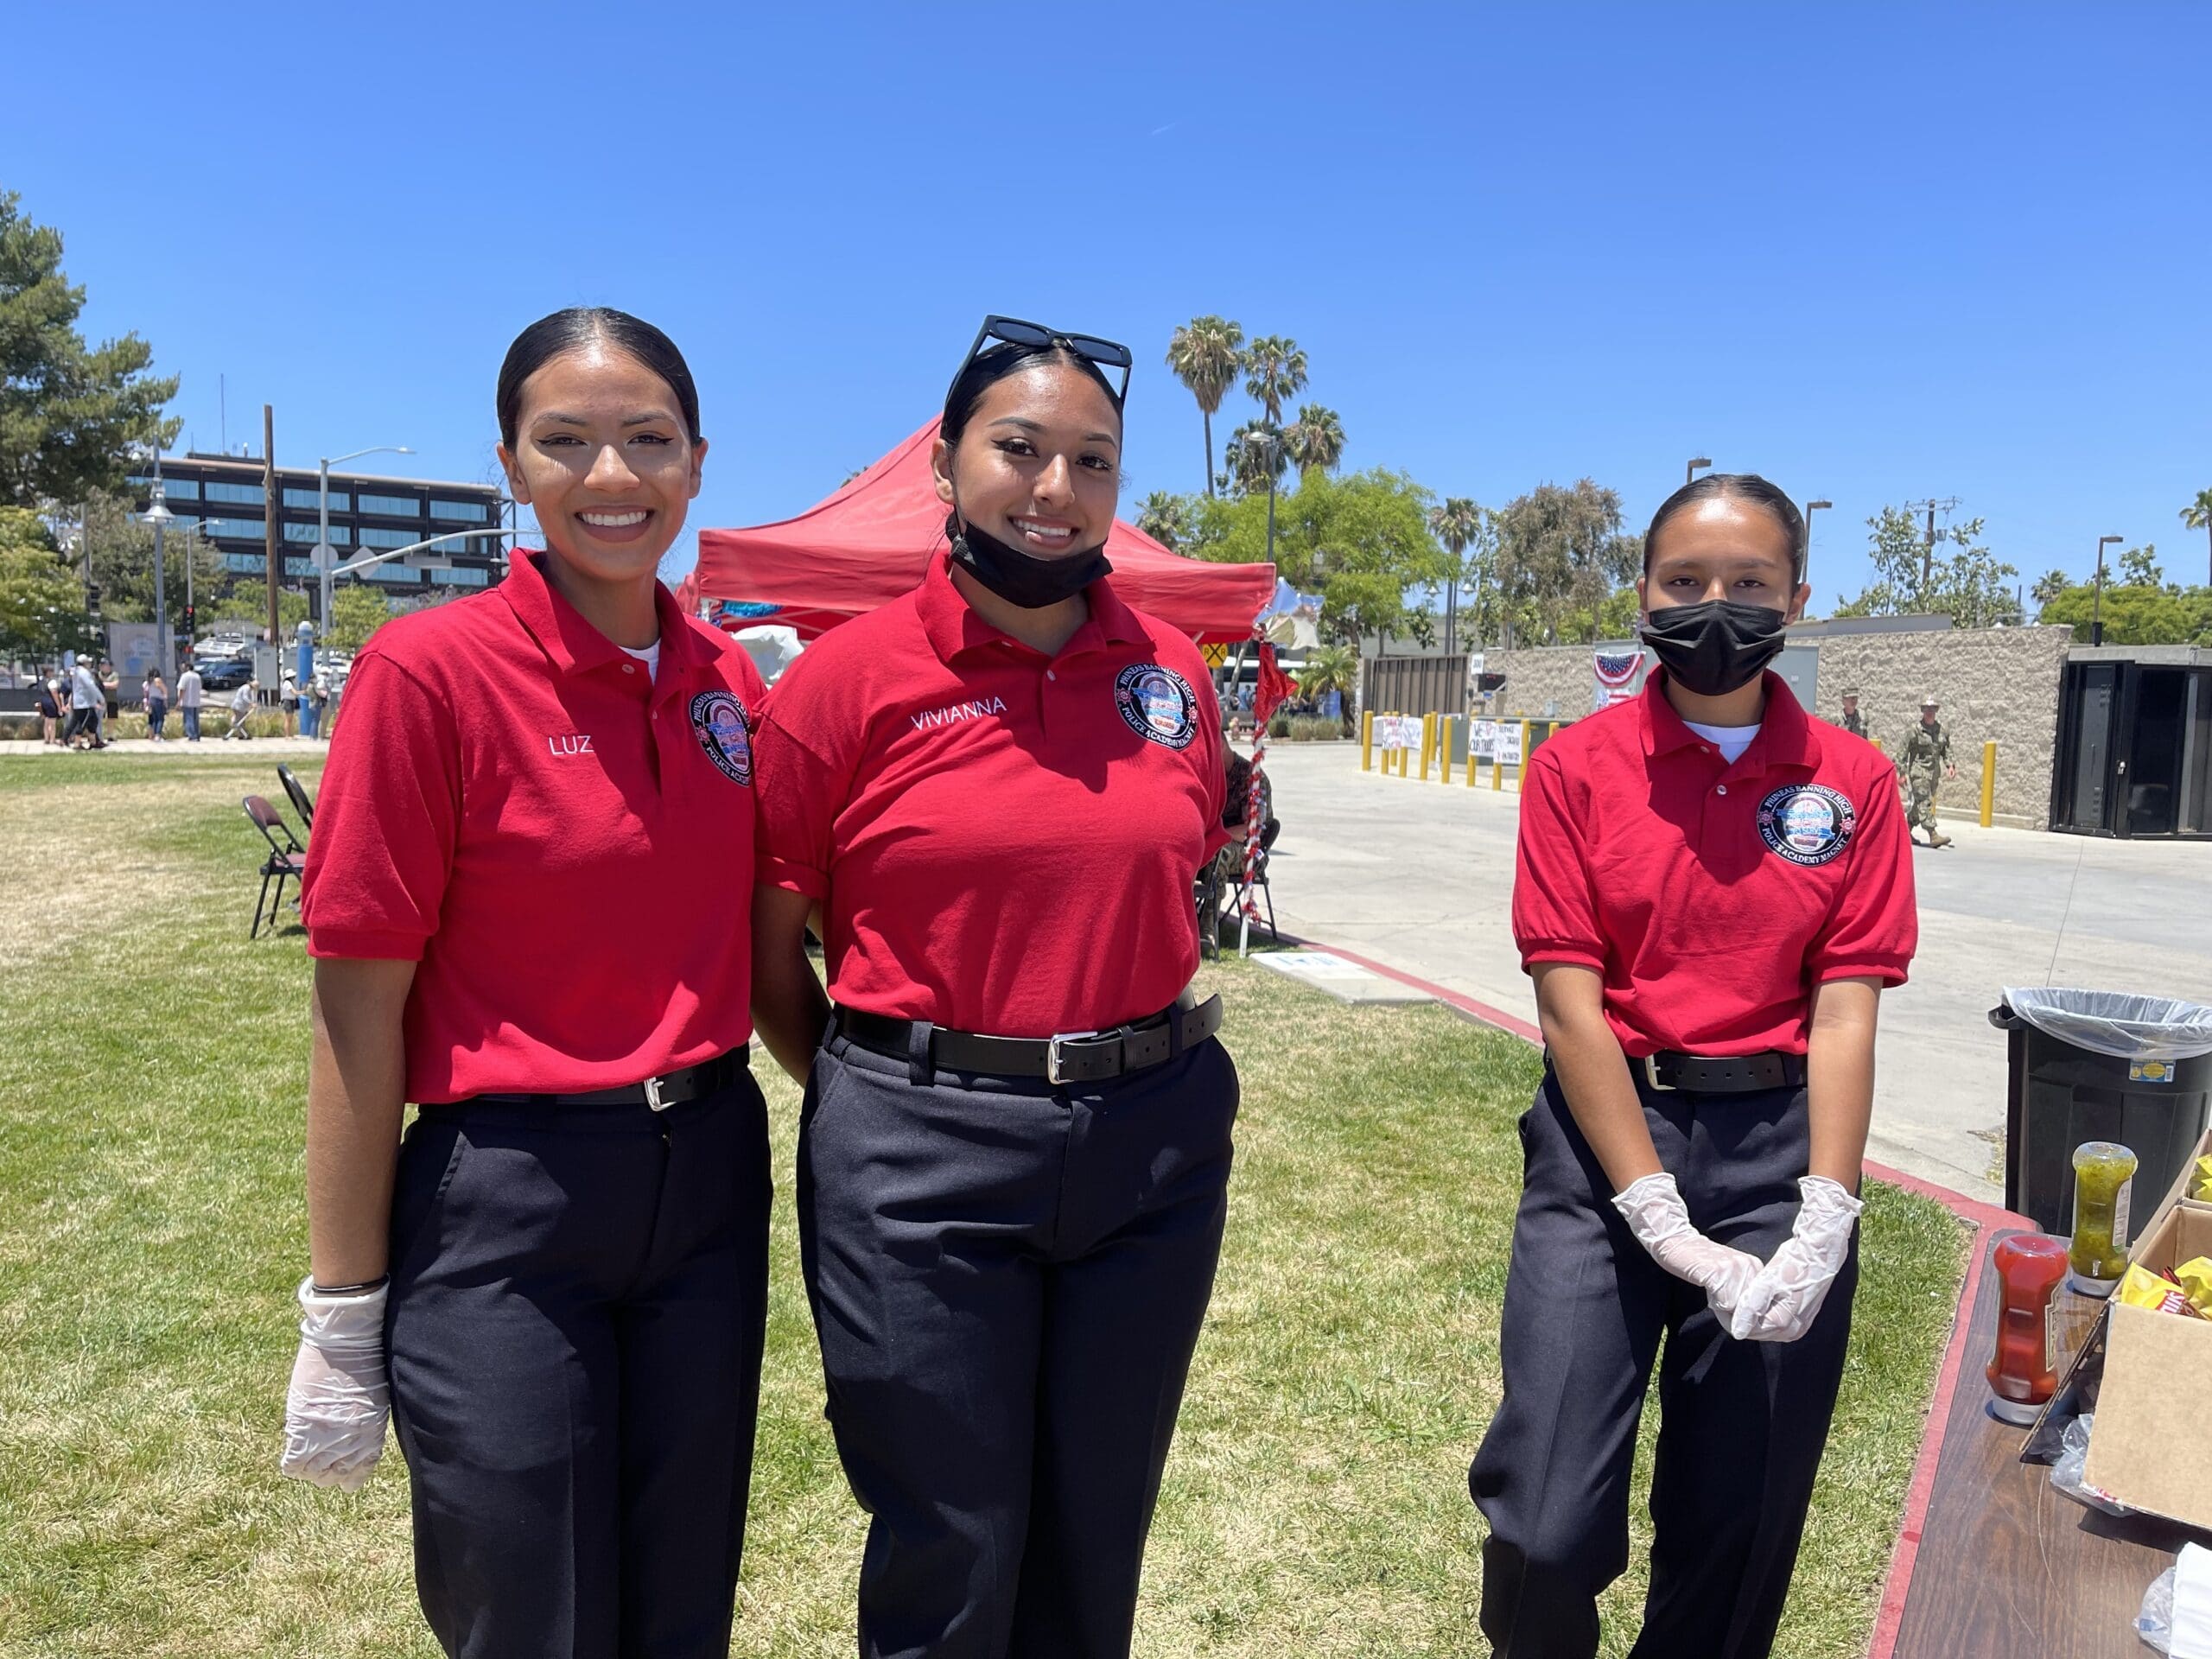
(2116, 1023)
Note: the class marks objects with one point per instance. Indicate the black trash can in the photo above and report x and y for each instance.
(2100, 1065)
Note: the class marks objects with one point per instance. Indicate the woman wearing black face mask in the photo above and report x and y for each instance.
(997, 792)
(1713, 889)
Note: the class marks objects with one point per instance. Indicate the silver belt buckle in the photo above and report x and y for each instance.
(1651, 1063)
(1053, 1053)
(652, 1086)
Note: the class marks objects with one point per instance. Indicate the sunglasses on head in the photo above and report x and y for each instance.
(1103, 355)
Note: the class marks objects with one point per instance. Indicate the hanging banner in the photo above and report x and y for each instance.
(1395, 731)
(1507, 749)
(1619, 677)
(1482, 740)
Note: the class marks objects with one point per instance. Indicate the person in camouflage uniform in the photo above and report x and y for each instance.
(1853, 721)
(1923, 759)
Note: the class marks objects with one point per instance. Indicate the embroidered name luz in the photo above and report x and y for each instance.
(573, 743)
(972, 710)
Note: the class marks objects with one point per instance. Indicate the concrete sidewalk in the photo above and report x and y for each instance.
(1419, 876)
(212, 742)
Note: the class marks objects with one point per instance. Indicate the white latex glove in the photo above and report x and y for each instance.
(1654, 1210)
(335, 1409)
(1785, 1298)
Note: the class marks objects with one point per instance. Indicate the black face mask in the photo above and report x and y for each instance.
(1022, 578)
(1716, 646)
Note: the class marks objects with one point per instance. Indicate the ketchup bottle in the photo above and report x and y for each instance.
(2023, 1373)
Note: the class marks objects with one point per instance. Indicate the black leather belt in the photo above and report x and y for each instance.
(707, 1078)
(1072, 1057)
(1737, 1074)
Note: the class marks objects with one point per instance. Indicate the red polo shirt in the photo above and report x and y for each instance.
(1004, 843)
(561, 841)
(1713, 897)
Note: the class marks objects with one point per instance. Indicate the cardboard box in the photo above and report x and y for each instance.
(2150, 1448)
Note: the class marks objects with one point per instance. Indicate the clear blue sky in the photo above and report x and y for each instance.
(1876, 254)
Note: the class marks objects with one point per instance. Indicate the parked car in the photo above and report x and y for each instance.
(226, 673)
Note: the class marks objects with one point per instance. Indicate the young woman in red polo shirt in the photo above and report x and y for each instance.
(1713, 890)
(561, 1292)
(997, 792)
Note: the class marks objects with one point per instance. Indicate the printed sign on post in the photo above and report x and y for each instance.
(1508, 743)
(1482, 740)
(1395, 731)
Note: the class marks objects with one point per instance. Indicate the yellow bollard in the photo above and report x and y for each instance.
(1521, 772)
(1471, 751)
(1427, 742)
(1496, 772)
(1988, 782)
(1444, 749)
(1366, 741)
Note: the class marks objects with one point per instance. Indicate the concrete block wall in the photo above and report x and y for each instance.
(1998, 684)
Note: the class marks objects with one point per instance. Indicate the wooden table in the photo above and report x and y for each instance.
(2008, 1567)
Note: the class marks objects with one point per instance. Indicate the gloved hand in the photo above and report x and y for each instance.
(1654, 1210)
(335, 1409)
(1786, 1298)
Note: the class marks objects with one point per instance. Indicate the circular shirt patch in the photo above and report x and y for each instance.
(1157, 703)
(1808, 823)
(718, 722)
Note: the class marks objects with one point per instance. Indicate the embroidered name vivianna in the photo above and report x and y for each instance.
(974, 710)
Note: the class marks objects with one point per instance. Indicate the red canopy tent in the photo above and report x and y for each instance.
(872, 541)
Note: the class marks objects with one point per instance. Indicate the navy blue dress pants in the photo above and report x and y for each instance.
(1742, 1424)
(578, 1302)
(1007, 1279)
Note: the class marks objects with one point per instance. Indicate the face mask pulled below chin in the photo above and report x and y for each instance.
(1716, 646)
(1023, 579)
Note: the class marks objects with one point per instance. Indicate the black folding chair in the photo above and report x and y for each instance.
(286, 858)
(303, 803)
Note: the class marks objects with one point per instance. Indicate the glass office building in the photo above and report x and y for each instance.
(225, 497)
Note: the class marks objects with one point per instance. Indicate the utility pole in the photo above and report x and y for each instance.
(1948, 506)
(268, 507)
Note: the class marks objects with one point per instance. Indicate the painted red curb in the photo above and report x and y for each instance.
(1984, 1218)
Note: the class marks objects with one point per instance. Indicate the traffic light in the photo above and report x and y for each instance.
(92, 601)
(190, 633)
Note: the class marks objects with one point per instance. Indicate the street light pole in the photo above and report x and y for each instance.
(2097, 601)
(158, 515)
(325, 555)
(1690, 473)
(1811, 507)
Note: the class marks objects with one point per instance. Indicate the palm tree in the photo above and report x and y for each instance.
(1331, 668)
(1205, 355)
(1456, 524)
(1165, 518)
(1247, 459)
(1274, 373)
(2197, 515)
(2050, 586)
(1315, 439)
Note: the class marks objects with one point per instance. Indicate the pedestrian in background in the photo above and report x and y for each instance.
(288, 698)
(86, 703)
(49, 693)
(188, 698)
(241, 707)
(1923, 760)
(156, 694)
(1853, 721)
(317, 698)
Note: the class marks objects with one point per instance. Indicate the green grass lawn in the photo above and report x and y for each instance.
(152, 1072)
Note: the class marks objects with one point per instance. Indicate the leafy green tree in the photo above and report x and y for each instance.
(1168, 518)
(1561, 553)
(2197, 515)
(70, 413)
(1360, 541)
(1912, 578)
(2138, 567)
(1421, 628)
(1206, 353)
(357, 610)
(2135, 614)
(1315, 439)
(41, 600)
(121, 550)
(1274, 373)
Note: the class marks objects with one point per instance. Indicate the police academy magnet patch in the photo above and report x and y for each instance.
(718, 722)
(1157, 703)
(1808, 823)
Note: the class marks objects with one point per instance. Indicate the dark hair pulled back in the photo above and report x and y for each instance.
(1743, 486)
(580, 325)
(985, 370)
